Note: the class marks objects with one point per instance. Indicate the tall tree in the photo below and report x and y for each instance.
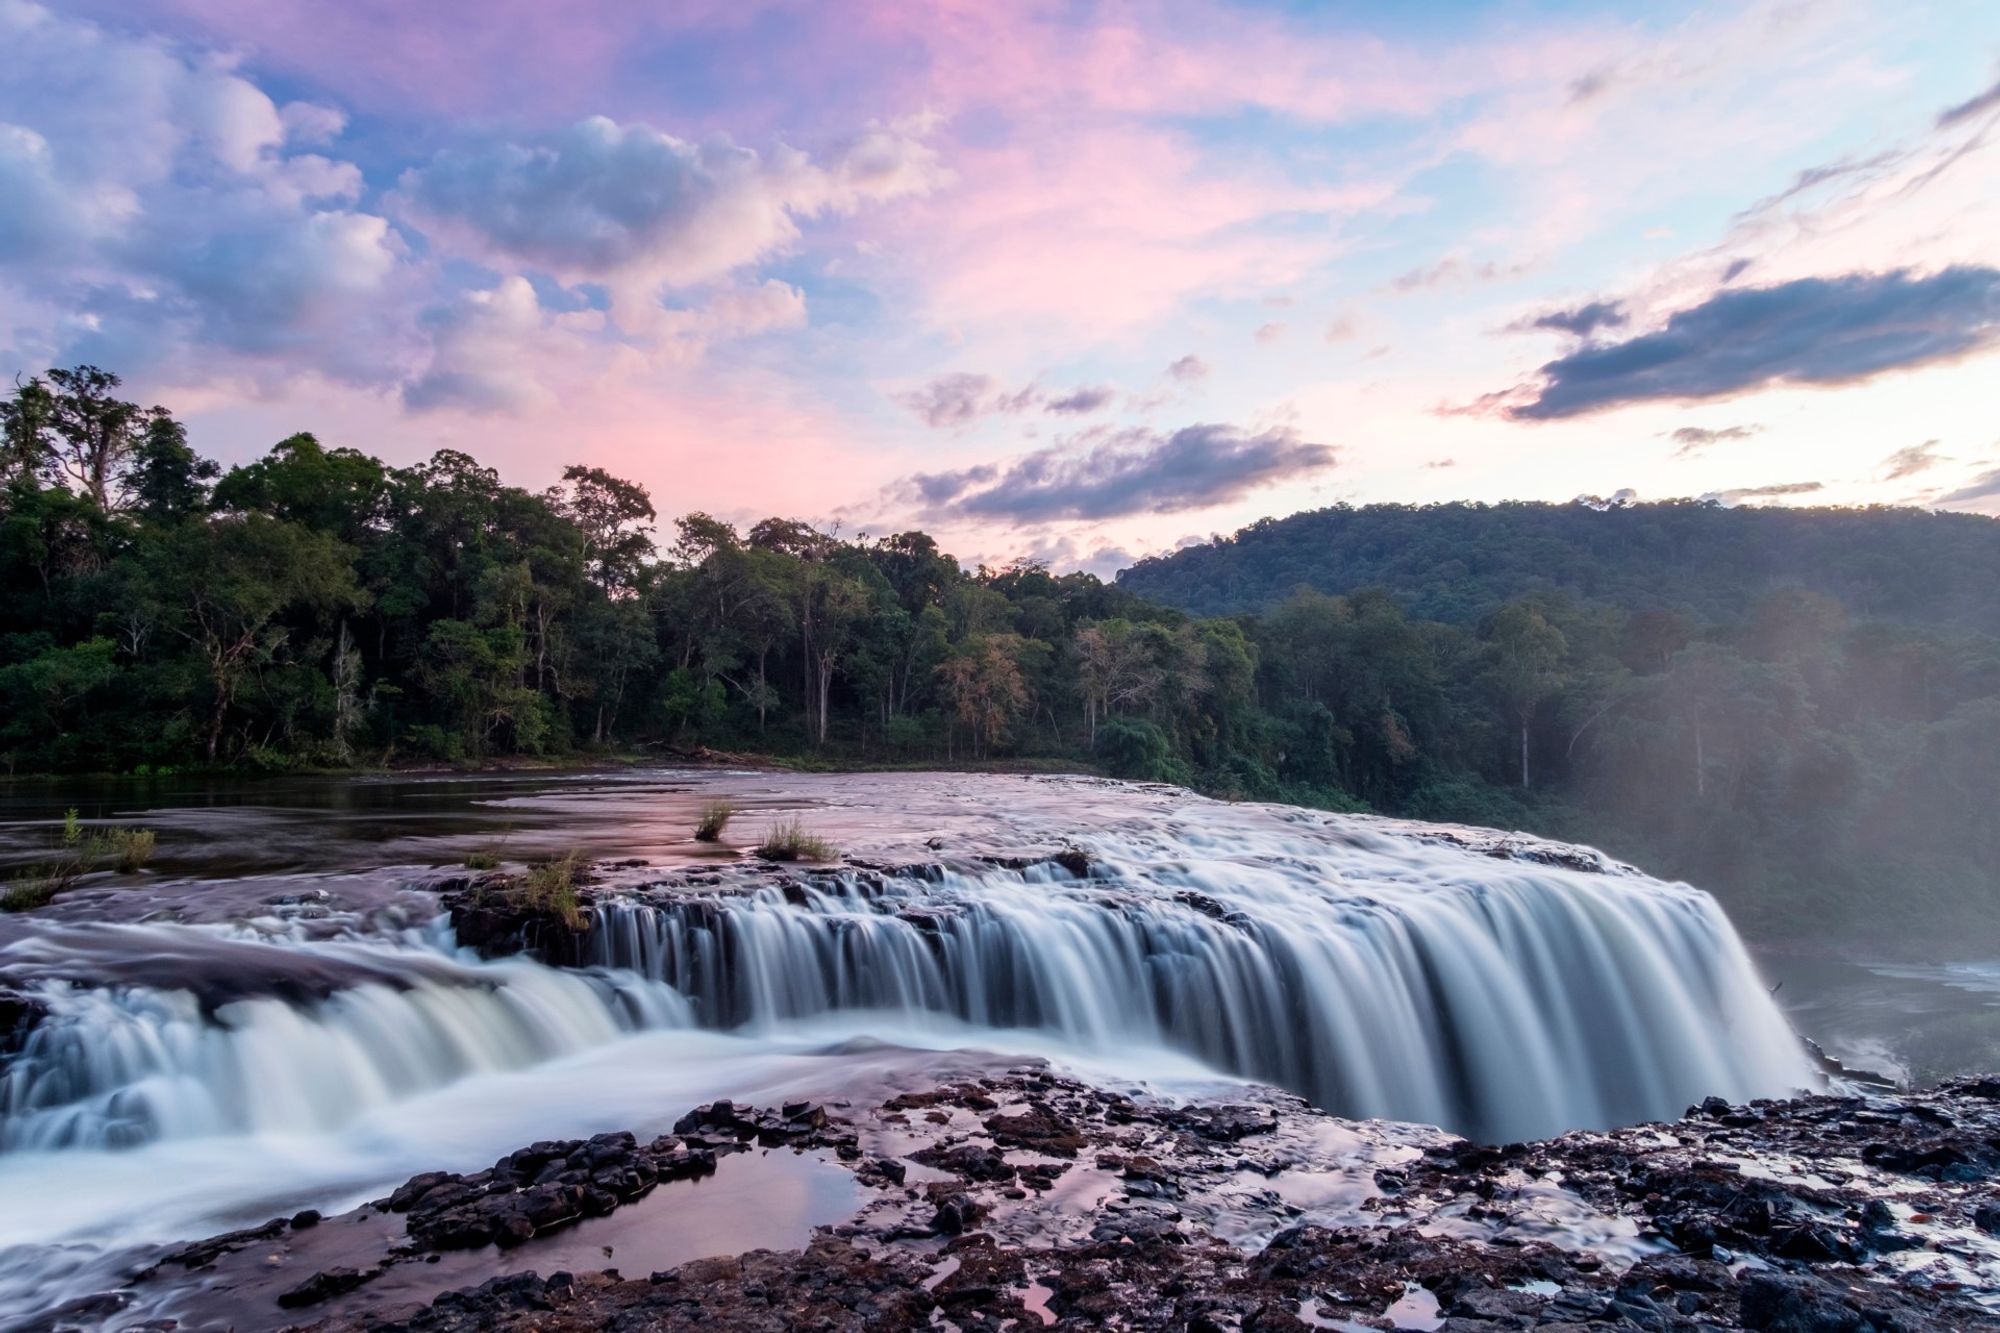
(1524, 655)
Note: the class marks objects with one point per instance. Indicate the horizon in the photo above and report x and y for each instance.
(1079, 284)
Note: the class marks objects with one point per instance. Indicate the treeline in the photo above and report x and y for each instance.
(318, 608)
(1458, 562)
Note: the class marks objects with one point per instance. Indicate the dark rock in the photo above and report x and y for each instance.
(969, 1160)
(1038, 1130)
(1795, 1303)
(1515, 1309)
(321, 1285)
(955, 1213)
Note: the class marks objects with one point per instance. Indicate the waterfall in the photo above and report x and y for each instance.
(1378, 976)
(1379, 970)
(117, 1066)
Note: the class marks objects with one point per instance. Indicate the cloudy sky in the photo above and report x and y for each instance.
(1064, 278)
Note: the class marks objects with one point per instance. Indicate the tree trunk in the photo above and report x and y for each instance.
(825, 688)
(1524, 753)
(763, 690)
(216, 720)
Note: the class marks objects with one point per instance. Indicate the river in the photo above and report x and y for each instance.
(273, 1014)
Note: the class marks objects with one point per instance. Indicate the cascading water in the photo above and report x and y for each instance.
(117, 1066)
(1381, 976)
(244, 1045)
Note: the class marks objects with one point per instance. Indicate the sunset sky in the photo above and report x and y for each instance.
(1072, 280)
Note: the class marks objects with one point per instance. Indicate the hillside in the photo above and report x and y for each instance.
(1456, 562)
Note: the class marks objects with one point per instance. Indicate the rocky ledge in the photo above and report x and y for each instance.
(1020, 1199)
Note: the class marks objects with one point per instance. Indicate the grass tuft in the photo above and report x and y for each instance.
(789, 840)
(715, 816)
(550, 888)
(127, 848)
(482, 858)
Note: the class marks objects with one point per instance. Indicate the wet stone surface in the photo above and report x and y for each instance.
(1021, 1200)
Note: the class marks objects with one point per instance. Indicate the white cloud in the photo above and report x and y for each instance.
(640, 210)
(476, 362)
(150, 212)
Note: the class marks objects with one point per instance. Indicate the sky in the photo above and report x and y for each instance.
(1056, 279)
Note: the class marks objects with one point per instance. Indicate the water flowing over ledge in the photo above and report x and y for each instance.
(1504, 990)
(276, 1016)
(1377, 973)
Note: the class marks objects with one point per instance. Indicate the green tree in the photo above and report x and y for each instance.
(1524, 657)
(231, 580)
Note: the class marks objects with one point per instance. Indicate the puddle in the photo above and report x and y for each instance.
(1035, 1297)
(758, 1200)
(1416, 1310)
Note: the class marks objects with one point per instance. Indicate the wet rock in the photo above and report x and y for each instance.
(539, 1189)
(1038, 1130)
(798, 1124)
(322, 1285)
(203, 1253)
(955, 1213)
(1226, 1123)
(969, 1160)
(19, 1013)
(1075, 860)
(883, 1171)
(1796, 1303)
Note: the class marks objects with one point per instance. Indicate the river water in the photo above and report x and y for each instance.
(273, 1014)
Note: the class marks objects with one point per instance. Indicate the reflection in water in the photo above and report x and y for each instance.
(756, 1200)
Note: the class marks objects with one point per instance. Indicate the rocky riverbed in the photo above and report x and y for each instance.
(1019, 1198)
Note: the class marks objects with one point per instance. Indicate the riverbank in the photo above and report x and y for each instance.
(1017, 1197)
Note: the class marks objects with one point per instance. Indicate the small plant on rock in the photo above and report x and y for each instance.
(715, 816)
(26, 894)
(550, 888)
(789, 840)
(127, 848)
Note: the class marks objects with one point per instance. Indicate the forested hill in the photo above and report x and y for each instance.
(1458, 562)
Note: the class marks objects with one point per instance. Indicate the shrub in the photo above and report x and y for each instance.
(715, 817)
(128, 848)
(550, 889)
(26, 894)
(1132, 747)
(38, 885)
(788, 840)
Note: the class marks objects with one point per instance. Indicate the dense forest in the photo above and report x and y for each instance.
(1459, 562)
(1816, 738)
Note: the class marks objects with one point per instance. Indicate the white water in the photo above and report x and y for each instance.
(1378, 975)
(120, 1066)
(1378, 972)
